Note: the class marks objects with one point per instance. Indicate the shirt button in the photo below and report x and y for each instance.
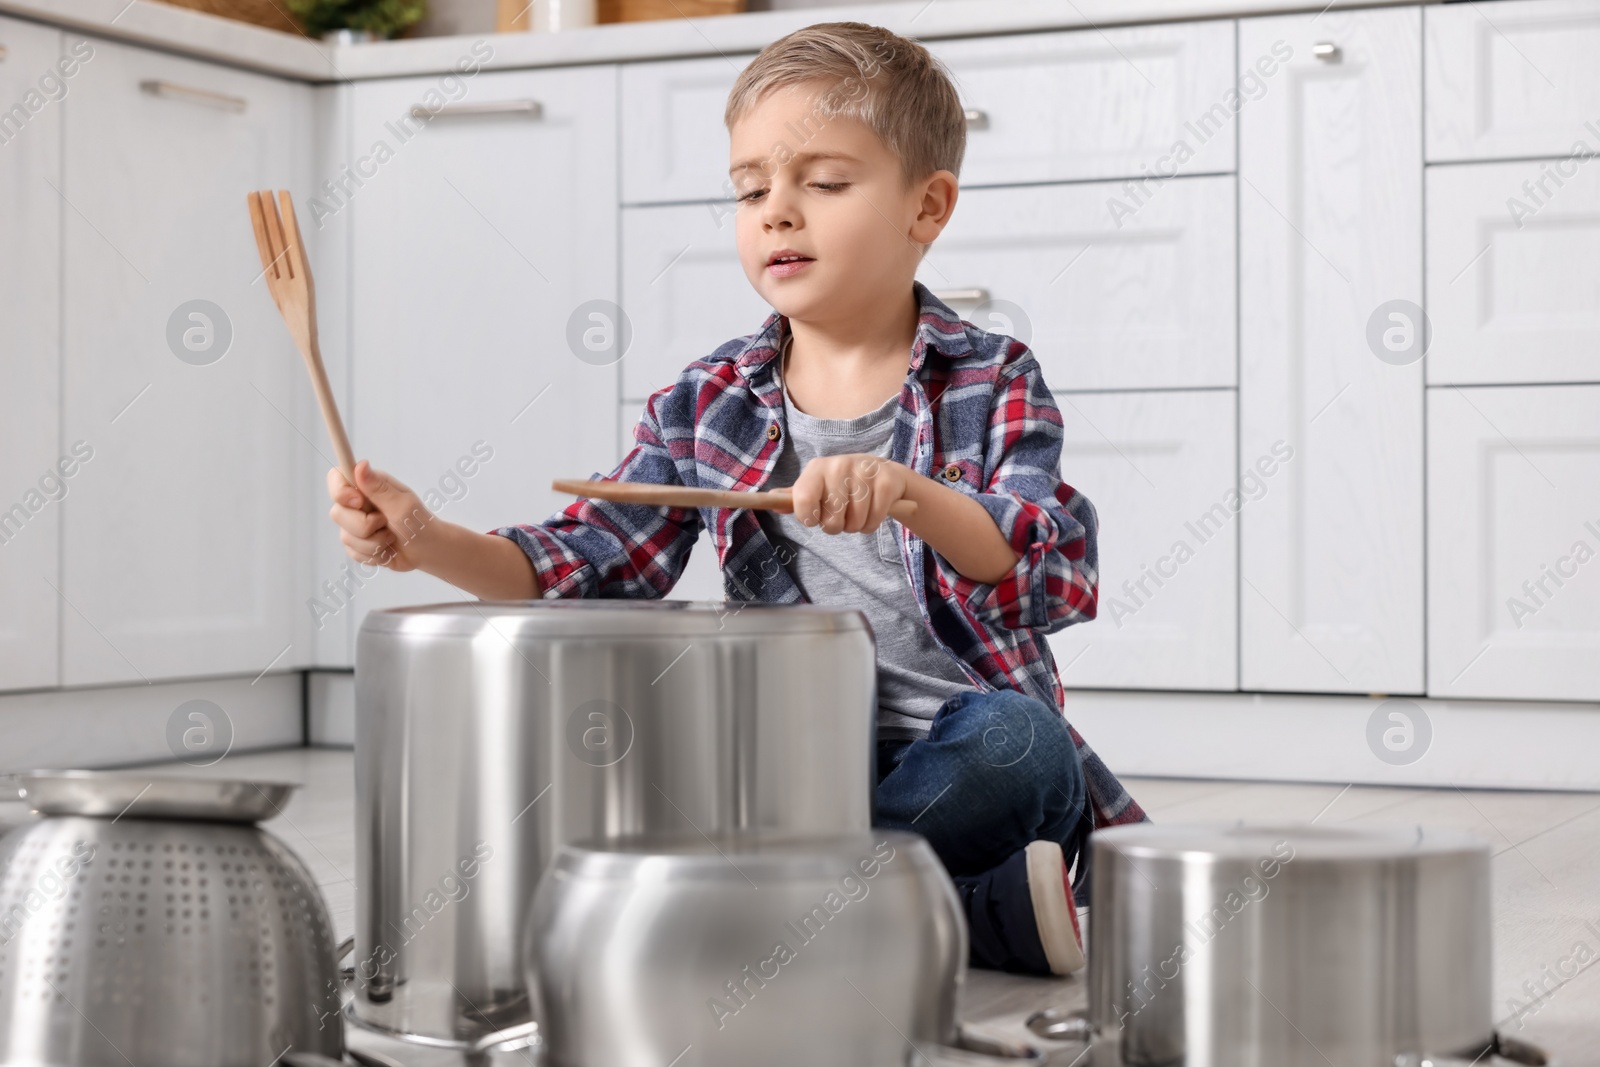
(952, 473)
(773, 433)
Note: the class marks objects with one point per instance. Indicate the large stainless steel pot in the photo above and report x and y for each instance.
(489, 734)
(1289, 946)
(732, 950)
(128, 935)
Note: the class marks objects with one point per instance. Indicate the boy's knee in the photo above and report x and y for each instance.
(1013, 729)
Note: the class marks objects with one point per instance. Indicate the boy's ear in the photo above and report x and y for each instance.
(938, 202)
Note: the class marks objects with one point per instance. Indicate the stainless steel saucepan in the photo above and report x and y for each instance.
(488, 734)
(731, 950)
(1293, 945)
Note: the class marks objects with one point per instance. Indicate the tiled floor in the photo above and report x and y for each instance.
(1546, 878)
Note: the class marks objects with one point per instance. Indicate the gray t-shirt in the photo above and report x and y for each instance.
(863, 571)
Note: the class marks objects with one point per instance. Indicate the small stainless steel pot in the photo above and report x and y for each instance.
(751, 949)
(129, 935)
(1295, 945)
(488, 734)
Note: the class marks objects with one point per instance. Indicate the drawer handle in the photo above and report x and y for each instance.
(529, 108)
(977, 119)
(962, 296)
(174, 91)
(1327, 51)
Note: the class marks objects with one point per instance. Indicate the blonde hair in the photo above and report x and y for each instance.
(890, 83)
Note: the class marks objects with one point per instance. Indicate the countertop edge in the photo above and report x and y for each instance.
(192, 33)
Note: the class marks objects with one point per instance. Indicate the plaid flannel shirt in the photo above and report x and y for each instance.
(974, 412)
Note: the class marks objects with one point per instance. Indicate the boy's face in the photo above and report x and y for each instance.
(831, 191)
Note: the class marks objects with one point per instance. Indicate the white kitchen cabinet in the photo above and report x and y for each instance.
(683, 289)
(183, 538)
(702, 577)
(1121, 103)
(1512, 80)
(674, 145)
(1513, 293)
(1106, 300)
(1330, 219)
(1514, 542)
(480, 247)
(31, 484)
(1159, 468)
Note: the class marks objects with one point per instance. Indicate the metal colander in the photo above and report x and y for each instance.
(147, 940)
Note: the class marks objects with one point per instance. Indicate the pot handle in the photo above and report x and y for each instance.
(512, 1038)
(1501, 1050)
(1059, 1024)
(972, 1049)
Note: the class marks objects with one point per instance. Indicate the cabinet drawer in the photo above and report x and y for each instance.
(702, 577)
(1108, 297)
(1159, 469)
(683, 290)
(1514, 542)
(1513, 288)
(1508, 80)
(674, 145)
(1090, 104)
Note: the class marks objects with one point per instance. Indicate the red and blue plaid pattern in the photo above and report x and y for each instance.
(975, 412)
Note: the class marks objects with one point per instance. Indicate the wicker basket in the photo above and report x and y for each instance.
(642, 10)
(273, 15)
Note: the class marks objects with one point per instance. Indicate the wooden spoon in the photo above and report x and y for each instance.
(288, 275)
(678, 496)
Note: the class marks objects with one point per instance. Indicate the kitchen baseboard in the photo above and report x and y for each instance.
(113, 726)
(1480, 744)
(331, 709)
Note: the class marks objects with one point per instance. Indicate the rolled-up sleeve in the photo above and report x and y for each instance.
(1047, 522)
(598, 548)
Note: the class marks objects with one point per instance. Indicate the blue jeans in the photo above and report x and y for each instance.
(996, 771)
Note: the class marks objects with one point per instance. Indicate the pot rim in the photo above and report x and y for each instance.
(753, 854)
(569, 618)
(1244, 841)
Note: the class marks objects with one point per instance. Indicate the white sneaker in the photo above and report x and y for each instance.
(1054, 912)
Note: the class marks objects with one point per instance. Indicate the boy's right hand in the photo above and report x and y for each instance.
(391, 535)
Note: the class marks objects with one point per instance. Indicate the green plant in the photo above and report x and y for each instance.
(381, 18)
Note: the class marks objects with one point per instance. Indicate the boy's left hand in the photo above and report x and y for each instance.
(850, 493)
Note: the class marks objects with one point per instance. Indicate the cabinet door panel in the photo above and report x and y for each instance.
(675, 147)
(1159, 469)
(1154, 88)
(477, 249)
(30, 399)
(1513, 297)
(1330, 231)
(1108, 300)
(683, 289)
(182, 537)
(1508, 80)
(1514, 542)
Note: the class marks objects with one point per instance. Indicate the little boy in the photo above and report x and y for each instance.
(860, 391)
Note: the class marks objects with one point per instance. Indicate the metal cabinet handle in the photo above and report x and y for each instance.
(977, 119)
(530, 108)
(174, 91)
(1327, 51)
(962, 296)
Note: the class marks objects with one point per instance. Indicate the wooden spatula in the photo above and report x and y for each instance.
(288, 275)
(678, 496)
